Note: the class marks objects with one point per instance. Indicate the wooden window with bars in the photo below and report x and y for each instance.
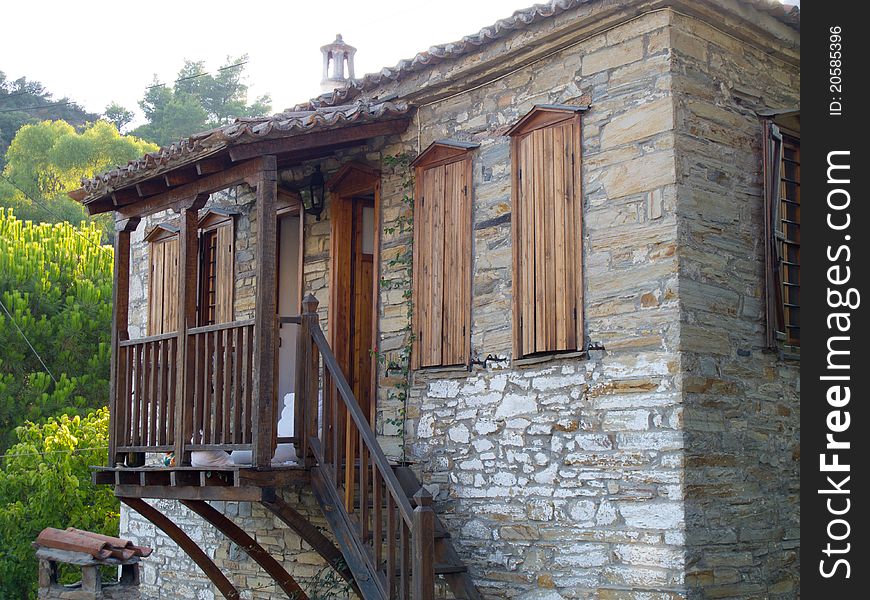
(547, 231)
(782, 223)
(216, 268)
(790, 238)
(442, 255)
(162, 279)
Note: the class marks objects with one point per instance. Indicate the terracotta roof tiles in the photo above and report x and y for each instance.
(100, 547)
(243, 130)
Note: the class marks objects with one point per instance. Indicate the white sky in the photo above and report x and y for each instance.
(100, 51)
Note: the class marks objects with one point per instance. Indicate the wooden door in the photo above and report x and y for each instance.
(362, 302)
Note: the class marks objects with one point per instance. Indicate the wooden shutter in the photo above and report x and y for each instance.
(442, 258)
(772, 164)
(224, 274)
(163, 286)
(547, 236)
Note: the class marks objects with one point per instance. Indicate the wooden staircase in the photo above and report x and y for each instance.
(391, 539)
(389, 543)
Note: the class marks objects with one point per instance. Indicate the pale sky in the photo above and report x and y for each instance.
(99, 51)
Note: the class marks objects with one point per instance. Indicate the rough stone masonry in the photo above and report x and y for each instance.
(662, 465)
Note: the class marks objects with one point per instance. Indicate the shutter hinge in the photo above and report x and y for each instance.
(422, 201)
(572, 159)
(521, 175)
(465, 190)
(575, 313)
(463, 331)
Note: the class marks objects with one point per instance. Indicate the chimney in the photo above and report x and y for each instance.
(335, 55)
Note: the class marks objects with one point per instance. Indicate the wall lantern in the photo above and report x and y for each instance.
(312, 193)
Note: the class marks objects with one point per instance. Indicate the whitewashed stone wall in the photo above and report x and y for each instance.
(566, 475)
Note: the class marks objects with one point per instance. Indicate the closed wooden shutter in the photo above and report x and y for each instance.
(163, 286)
(442, 269)
(224, 282)
(547, 240)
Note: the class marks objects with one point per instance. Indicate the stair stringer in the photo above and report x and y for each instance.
(365, 573)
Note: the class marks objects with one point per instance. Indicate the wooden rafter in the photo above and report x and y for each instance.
(151, 187)
(215, 164)
(180, 177)
(284, 580)
(204, 185)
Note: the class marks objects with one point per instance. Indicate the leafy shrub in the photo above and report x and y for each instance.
(45, 481)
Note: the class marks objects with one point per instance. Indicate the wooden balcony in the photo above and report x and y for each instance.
(218, 385)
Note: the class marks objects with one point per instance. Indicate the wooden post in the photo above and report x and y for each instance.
(423, 566)
(306, 380)
(188, 252)
(265, 317)
(120, 322)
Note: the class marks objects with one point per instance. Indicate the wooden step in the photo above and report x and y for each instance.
(446, 569)
(449, 569)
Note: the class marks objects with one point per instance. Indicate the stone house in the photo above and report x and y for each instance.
(598, 382)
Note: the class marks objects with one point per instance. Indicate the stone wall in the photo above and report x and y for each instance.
(741, 403)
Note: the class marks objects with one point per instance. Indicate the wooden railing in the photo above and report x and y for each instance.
(394, 539)
(146, 394)
(222, 389)
(217, 394)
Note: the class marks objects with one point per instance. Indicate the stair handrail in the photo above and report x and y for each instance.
(362, 424)
(416, 525)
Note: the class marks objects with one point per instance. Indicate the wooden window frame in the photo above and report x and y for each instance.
(439, 154)
(543, 117)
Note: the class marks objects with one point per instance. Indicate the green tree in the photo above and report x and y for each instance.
(48, 159)
(198, 101)
(45, 481)
(24, 101)
(117, 114)
(56, 283)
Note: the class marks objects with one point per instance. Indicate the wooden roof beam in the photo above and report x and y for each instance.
(124, 197)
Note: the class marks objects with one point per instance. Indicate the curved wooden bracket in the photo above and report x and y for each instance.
(284, 580)
(312, 536)
(185, 543)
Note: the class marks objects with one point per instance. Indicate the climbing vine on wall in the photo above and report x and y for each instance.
(399, 272)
